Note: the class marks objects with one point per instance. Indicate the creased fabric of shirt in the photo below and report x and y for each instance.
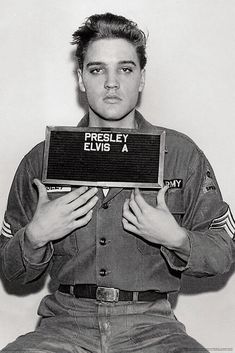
(102, 252)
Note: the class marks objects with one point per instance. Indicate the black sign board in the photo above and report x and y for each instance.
(103, 157)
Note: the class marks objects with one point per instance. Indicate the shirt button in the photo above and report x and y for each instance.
(103, 272)
(102, 241)
(105, 205)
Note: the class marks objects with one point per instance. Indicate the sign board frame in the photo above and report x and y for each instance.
(66, 130)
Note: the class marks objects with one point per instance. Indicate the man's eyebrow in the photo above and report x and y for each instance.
(93, 63)
(127, 62)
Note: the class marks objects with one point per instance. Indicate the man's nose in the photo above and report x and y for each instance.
(111, 81)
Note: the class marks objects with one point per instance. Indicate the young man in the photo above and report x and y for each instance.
(116, 255)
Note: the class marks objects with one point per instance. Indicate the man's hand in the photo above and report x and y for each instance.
(55, 219)
(156, 225)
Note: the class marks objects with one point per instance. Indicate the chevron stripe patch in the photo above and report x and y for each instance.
(6, 230)
(226, 221)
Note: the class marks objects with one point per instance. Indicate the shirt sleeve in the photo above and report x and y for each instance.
(209, 224)
(21, 206)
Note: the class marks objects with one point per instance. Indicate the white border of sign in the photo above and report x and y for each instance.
(158, 184)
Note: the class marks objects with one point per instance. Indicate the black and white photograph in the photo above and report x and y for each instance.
(117, 201)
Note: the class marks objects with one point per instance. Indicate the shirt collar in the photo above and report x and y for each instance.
(143, 125)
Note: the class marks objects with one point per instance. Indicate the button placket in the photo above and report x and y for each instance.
(102, 240)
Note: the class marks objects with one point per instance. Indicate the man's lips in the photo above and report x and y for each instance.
(112, 99)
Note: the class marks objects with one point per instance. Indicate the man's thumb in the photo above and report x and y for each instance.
(42, 191)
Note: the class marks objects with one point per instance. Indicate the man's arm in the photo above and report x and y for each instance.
(196, 247)
(157, 225)
(55, 219)
(32, 222)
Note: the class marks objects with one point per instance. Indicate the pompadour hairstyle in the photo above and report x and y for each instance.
(108, 25)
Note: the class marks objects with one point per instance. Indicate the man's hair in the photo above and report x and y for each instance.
(105, 26)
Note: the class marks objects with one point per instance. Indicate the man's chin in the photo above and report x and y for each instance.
(109, 116)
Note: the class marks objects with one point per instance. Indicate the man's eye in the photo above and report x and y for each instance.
(126, 69)
(96, 70)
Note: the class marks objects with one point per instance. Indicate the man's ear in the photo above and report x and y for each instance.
(80, 81)
(142, 80)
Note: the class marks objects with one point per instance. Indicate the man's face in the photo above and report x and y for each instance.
(111, 78)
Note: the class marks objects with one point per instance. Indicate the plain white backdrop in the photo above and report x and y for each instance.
(190, 87)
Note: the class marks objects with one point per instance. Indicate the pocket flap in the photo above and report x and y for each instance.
(175, 201)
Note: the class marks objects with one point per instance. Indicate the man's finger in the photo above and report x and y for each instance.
(140, 200)
(128, 215)
(75, 194)
(82, 199)
(42, 191)
(134, 207)
(81, 222)
(161, 197)
(130, 227)
(83, 210)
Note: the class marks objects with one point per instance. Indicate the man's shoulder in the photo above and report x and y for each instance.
(33, 160)
(174, 139)
(36, 151)
(177, 140)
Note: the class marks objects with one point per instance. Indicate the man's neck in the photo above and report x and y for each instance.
(128, 122)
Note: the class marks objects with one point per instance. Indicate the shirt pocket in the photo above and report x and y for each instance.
(145, 247)
(66, 246)
(55, 195)
(175, 202)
